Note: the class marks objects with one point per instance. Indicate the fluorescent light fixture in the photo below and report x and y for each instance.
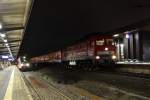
(116, 35)
(5, 40)
(1, 26)
(4, 57)
(2, 35)
(127, 36)
(10, 59)
(6, 44)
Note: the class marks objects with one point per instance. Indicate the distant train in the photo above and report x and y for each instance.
(93, 52)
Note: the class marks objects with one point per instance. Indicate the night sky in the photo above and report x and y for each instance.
(55, 24)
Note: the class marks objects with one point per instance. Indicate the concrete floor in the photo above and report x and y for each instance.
(54, 83)
(12, 85)
(4, 80)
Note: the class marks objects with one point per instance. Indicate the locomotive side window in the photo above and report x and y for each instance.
(100, 42)
(109, 42)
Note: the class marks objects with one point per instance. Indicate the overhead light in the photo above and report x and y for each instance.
(5, 57)
(116, 35)
(5, 40)
(10, 59)
(2, 35)
(127, 36)
(6, 44)
(1, 26)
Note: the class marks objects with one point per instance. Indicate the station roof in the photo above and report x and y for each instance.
(13, 17)
(55, 24)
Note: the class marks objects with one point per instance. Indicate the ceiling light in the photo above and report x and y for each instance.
(10, 59)
(2, 35)
(127, 36)
(6, 44)
(1, 26)
(4, 57)
(116, 35)
(5, 40)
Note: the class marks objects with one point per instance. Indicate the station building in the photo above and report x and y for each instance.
(133, 45)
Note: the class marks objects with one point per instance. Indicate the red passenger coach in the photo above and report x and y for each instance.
(94, 51)
(51, 57)
(54, 57)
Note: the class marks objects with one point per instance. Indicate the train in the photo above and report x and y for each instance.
(95, 51)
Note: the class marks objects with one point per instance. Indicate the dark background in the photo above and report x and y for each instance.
(55, 24)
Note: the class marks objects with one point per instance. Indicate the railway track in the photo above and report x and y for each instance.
(52, 90)
(32, 90)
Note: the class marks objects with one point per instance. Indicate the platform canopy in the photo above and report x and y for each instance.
(13, 18)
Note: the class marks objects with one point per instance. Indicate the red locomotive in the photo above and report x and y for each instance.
(92, 52)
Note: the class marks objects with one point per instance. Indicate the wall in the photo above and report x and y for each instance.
(146, 46)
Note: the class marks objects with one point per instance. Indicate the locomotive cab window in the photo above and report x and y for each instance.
(100, 42)
(109, 42)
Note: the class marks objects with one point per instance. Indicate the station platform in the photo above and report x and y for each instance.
(12, 85)
(133, 63)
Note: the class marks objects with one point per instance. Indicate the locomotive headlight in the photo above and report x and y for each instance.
(114, 57)
(21, 64)
(106, 49)
(97, 57)
(72, 63)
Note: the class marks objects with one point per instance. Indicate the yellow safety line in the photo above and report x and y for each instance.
(8, 95)
(26, 89)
